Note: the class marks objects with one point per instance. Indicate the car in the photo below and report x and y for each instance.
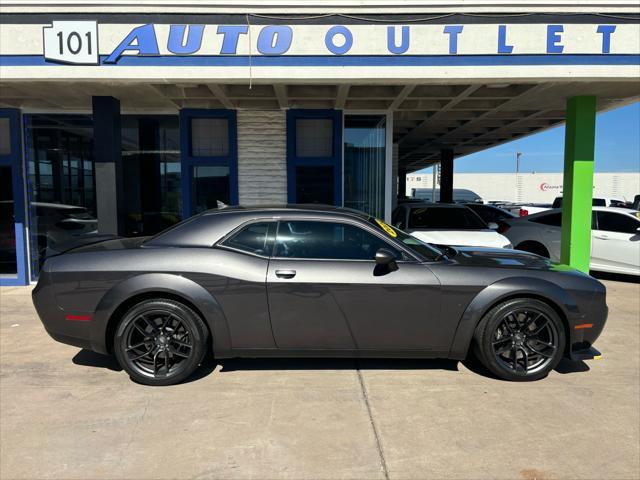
(490, 214)
(458, 194)
(531, 208)
(615, 237)
(596, 202)
(447, 224)
(311, 281)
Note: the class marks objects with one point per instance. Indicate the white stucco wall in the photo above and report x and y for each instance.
(532, 187)
(262, 157)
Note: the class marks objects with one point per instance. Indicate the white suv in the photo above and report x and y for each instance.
(615, 237)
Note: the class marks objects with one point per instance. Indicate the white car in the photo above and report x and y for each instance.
(447, 224)
(615, 237)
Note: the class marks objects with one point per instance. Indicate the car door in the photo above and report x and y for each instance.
(325, 292)
(615, 243)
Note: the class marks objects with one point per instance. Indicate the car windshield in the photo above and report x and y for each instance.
(449, 218)
(412, 243)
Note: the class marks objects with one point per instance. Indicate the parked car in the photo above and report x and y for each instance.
(489, 213)
(459, 195)
(531, 208)
(447, 224)
(596, 202)
(615, 237)
(311, 281)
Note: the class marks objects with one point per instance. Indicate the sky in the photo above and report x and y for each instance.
(617, 148)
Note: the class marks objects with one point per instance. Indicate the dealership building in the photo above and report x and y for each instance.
(126, 117)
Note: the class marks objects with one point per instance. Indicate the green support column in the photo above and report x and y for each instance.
(578, 182)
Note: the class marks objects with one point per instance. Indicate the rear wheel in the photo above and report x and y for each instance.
(160, 342)
(534, 247)
(520, 340)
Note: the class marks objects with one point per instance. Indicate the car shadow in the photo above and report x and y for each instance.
(88, 358)
(250, 364)
(615, 277)
(572, 366)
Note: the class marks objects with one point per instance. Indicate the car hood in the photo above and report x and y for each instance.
(503, 258)
(467, 238)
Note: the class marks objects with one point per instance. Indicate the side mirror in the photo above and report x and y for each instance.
(493, 225)
(385, 259)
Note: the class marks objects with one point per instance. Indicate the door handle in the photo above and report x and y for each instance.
(285, 273)
(601, 237)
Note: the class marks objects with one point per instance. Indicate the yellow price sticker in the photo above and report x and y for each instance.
(387, 228)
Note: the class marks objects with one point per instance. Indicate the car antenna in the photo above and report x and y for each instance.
(221, 205)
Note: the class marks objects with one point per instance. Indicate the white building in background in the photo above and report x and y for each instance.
(531, 187)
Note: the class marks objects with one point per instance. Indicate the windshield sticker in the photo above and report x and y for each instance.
(387, 228)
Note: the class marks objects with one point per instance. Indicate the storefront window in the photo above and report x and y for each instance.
(151, 173)
(5, 137)
(8, 264)
(364, 163)
(209, 137)
(314, 137)
(62, 202)
(210, 185)
(314, 185)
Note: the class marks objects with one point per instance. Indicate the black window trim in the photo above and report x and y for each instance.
(363, 226)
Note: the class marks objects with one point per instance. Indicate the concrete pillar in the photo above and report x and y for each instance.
(108, 165)
(446, 176)
(577, 193)
(402, 182)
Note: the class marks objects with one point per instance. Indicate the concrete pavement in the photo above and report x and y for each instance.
(66, 413)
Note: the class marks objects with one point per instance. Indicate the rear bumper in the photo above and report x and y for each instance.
(71, 328)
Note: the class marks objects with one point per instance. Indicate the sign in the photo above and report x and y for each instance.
(72, 42)
(78, 42)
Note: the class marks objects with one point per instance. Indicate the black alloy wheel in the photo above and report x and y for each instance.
(160, 342)
(521, 339)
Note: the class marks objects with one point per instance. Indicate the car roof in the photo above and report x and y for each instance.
(284, 209)
(629, 211)
(433, 205)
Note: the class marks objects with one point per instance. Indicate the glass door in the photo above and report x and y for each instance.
(13, 262)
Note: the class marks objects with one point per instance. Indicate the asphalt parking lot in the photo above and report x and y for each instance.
(66, 413)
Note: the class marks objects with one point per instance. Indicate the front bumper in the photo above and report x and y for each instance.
(586, 354)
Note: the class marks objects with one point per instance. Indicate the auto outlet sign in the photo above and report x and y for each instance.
(91, 43)
(115, 47)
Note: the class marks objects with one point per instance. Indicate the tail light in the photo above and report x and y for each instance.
(523, 212)
(503, 227)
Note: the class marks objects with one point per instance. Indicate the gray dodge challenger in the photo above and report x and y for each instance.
(310, 281)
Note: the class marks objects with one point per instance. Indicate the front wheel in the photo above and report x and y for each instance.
(520, 340)
(160, 342)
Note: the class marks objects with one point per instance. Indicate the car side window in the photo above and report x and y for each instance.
(552, 219)
(617, 222)
(328, 241)
(256, 238)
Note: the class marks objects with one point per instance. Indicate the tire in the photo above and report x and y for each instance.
(534, 247)
(160, 342)
(524, 329)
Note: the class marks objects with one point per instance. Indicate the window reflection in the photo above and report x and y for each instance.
(364, 163)
(210, 186)
(61, 186)
(8, 265)
(151, 173)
